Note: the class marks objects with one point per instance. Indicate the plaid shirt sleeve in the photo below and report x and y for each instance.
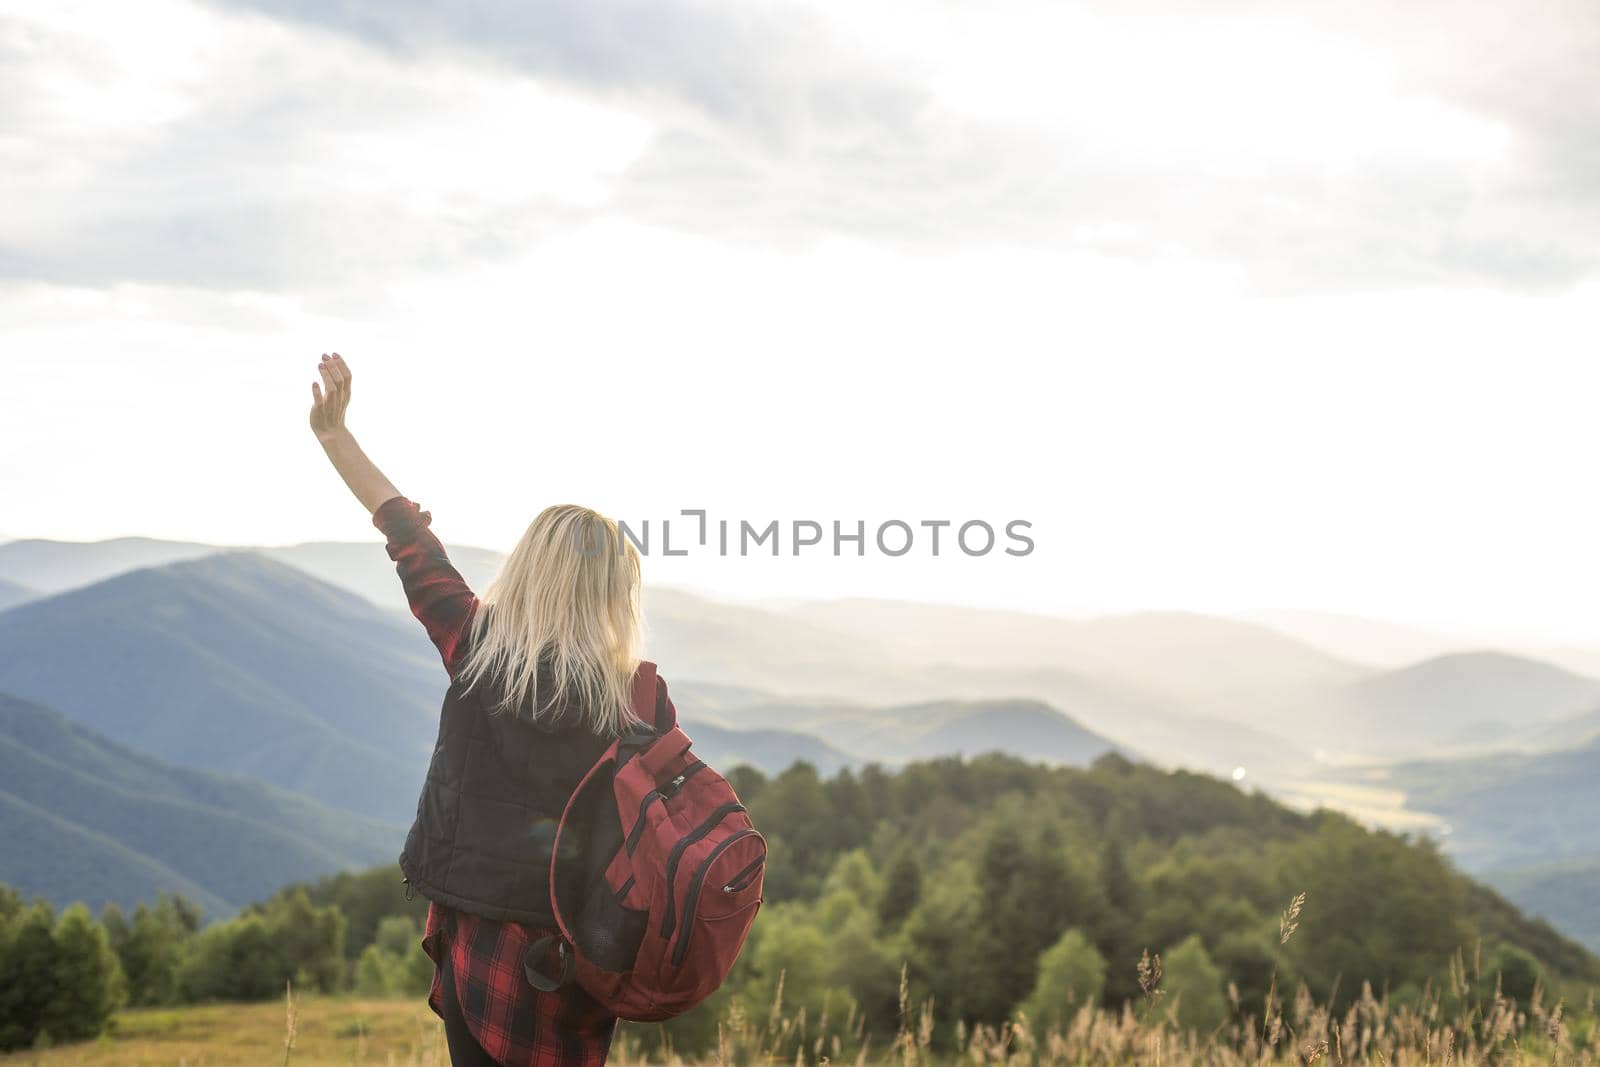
(438, 595)
(518, 1025)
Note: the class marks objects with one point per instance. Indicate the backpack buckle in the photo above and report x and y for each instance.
(534, 955)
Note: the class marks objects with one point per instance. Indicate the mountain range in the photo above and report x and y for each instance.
(85, 818)
(237, 663)
(299, 667)
(13, 593)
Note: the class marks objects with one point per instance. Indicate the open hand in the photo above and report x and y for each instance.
(329, 399)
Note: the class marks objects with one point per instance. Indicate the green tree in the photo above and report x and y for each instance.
(1518, 971)
(311, 940)
(11, 903)
(1117, 933)
(27, 973)
(1384, 908)
(252, 956)
(394, 963)
(151, 946)
(793, 814)
(902, 887)
(365, 898)
(1072, 972)
(1008, 924)
(747, 781)
(1193, 985)
(942, 939)
(851, 817)
(1256, 964)
(1030, 893)
(234, 960)
(862, 963)
(85, 980)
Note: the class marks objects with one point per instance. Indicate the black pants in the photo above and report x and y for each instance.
(464, 1048)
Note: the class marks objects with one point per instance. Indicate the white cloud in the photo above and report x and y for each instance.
(1315, 144)
(1239, 312)
(257, 155)
(1312, 145)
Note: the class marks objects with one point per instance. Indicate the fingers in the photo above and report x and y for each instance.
(336, 373)
(338, 369)
(341, 374)
(334, 394)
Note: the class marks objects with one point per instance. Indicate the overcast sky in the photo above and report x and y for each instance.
(1240, 305)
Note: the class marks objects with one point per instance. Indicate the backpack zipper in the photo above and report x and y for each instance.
(668, 923)
(676, 784)
(744, 877)
(670, 789)
(692, 900)
(638, 826)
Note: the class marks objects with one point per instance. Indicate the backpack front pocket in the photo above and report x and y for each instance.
(726, 883)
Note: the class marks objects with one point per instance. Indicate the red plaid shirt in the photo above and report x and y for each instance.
(518, 1025)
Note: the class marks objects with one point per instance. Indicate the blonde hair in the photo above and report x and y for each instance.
(566, 599)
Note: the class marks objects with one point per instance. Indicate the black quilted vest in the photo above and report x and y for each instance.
(487, 815)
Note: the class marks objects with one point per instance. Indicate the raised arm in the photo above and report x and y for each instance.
(438, 596)
(363, 477)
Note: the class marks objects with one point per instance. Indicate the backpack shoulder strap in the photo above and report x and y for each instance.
(650, 700)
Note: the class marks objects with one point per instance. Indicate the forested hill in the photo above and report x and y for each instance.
(84, 818)
(974, 871)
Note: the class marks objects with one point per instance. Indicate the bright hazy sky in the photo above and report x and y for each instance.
(1241, 305)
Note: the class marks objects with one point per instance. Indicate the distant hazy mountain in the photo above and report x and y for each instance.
(1211, 657)
(1358, 639)
(54, 566)
(1167, 730)
(1523, 822)
(363, 568)
(895, 734)
(1567, 894)
(734, 645)
(1507, 809)
(300, 665)
(1475, 700)
(85, 818)
(366, 569)
(1153, 675)
(1025, 728)
(1570, 732)
(14, 593)
(877, 653)
(770, 751)
(1182, 689)
(238, 663)
(1179, 652)
(1578, 660)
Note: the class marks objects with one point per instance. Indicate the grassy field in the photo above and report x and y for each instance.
(328, 1030)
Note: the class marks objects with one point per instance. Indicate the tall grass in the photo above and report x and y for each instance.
(1486, 1029)
(1303, 1032)
(1372, 1030)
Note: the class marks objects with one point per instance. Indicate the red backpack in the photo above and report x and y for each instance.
(654, 903)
